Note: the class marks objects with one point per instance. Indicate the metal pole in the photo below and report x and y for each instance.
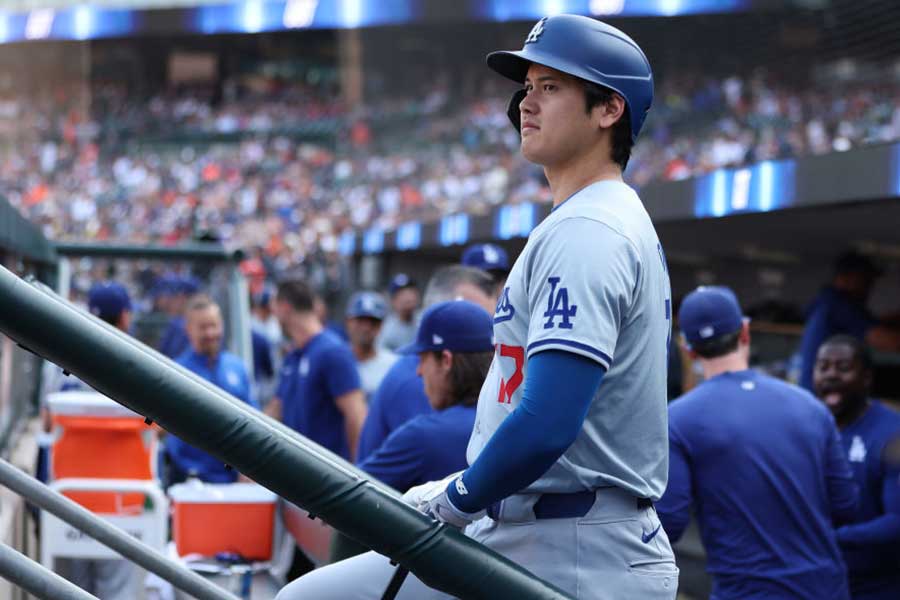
(179, 576)
(36, 579)
(266, 451)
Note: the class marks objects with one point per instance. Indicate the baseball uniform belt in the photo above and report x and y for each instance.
(564, 506)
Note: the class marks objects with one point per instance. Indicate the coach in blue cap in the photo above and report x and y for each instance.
(365, 313)
(761, 462)
(455, 346)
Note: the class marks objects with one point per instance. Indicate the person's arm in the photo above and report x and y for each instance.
(559, 389)
(273, 408)
(843, 492)
(399, 461)
(353, 406)
(884, 529)
(674, 507)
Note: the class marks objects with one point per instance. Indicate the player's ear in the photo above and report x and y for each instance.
(446, 359)
(608, 113)
(744, 337)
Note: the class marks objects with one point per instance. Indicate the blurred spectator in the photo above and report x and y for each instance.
(399, 328)
(206, 358)
(319, 392)
(841, 308)
(365, 313)
(870, 433)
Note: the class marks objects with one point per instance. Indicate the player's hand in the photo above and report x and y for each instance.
(414, 495)
(437, 505)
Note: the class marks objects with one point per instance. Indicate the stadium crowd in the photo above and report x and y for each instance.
(253, 167)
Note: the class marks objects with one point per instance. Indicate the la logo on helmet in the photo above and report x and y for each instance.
(536, 32)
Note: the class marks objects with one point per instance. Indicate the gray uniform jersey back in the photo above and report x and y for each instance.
(591, 280)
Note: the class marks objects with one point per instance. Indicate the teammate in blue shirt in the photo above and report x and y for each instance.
(319, 391)
(841, 308)
(761, 462)
(871, 435)
(206, 358)
(455, 349)
(401, 395)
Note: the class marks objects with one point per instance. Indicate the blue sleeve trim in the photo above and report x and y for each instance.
(569, 343)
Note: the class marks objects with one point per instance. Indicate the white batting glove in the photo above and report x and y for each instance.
(414, 495)
(437, 504)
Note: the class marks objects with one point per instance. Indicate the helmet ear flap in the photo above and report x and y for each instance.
(512, 111)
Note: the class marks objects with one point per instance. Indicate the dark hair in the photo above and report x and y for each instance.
(467, 374)
(595, 95)
(860, 349)
(717, 346)
(297, 293)
(854, 262)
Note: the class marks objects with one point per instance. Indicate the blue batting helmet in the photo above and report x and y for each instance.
(587, 49)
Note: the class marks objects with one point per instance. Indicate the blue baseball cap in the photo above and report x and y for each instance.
(108, 299)
(400, 281)
(188, 285)
(165, 285)
(709, 312)
(487, 257)
(457, 325)
(366, 304)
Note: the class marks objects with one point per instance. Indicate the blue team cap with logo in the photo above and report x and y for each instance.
(108, 299)
(400, 281)
(487, 257)
(457, 325)
(709, 312)
(366, 304)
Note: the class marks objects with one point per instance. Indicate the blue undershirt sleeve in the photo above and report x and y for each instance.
(884, 529)
(674, 508)
(559, 388)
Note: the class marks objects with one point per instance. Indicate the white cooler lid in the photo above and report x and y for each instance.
(195, 491)
(86, 404)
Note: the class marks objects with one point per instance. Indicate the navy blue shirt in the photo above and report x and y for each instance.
(761, 461)
(174, 340)
(312, 378)
(872, 546)
(399, 398)
(425, 448)
(263, 367)
(228, 373)
(831, 313)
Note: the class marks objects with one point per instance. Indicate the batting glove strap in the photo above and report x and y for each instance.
(441, 508)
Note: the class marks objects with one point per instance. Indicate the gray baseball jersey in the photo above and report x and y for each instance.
(592, 280)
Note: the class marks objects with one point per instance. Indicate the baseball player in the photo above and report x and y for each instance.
(870, 433)
(319, 393)
(491, 259)
(365, 313)
(564, 469)
(455, 347)
(760, 461)
(399, 328)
